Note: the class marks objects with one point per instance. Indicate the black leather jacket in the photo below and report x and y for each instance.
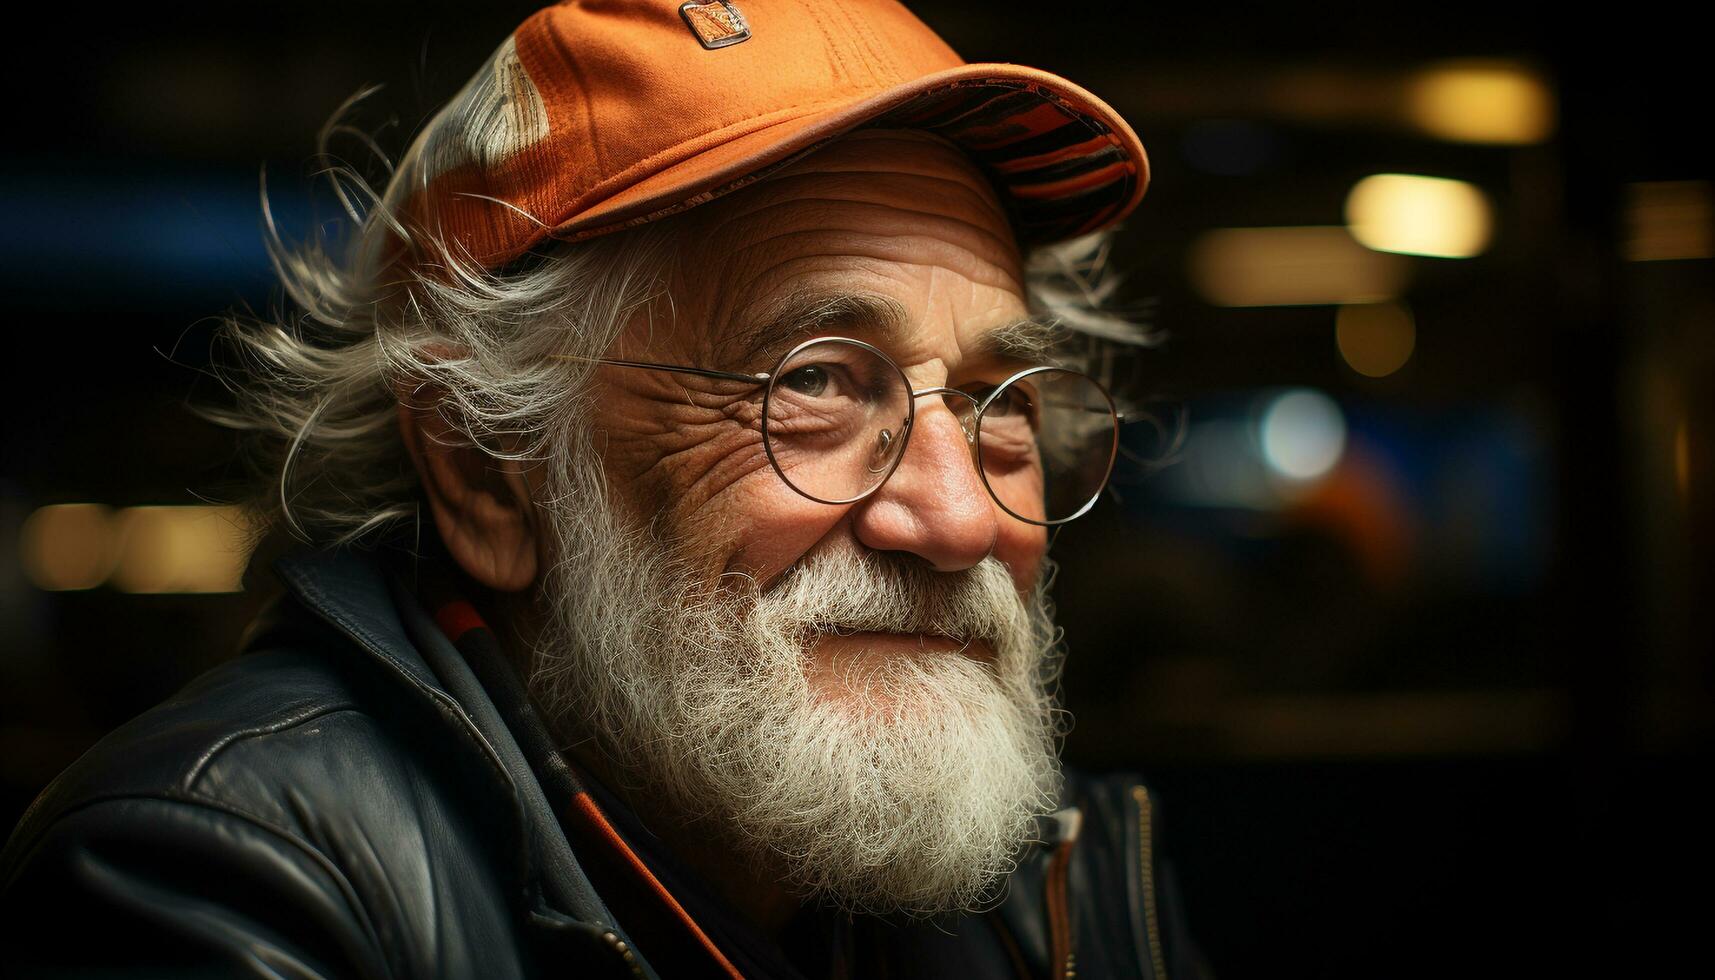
(357, 796)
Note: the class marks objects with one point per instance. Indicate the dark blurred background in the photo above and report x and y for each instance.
(1413, 638)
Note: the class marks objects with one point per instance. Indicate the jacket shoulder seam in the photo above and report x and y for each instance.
(305, 714)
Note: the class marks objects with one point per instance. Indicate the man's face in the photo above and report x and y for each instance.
(903, 235)
(852, 696)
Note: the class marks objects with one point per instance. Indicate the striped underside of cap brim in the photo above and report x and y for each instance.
(1063, 172)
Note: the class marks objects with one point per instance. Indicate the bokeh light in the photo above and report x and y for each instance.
(1375, 339)
(1222, 468)
(1303, 433)
(1417, 215)
(67, 547)
(1670, 219)
(1482, 102)
(1293, 266)
(182, 549)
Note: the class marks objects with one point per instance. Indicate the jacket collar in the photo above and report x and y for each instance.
(359, 596)
(350, 592)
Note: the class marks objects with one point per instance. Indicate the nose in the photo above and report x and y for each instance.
(934, 505)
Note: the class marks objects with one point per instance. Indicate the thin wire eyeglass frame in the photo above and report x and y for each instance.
(973, 434)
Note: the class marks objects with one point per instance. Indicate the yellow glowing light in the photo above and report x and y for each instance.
(68, 546)
(1291, 267)
(182, 549)
(1481, 102)
(1376, 339)
(1416, 215)
(1670, 219)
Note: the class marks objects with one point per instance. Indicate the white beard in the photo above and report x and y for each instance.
(912, 790)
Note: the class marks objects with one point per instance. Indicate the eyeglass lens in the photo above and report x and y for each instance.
(1047, 441)
(837, 413)
(835, 419)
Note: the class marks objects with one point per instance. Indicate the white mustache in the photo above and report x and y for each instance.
(842, 592)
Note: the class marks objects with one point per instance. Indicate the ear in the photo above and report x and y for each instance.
(481, 504)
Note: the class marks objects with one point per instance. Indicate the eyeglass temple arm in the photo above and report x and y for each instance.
(1094, 410)
(1119, 417)
(760, 378)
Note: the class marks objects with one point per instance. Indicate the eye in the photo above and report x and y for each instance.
(811, 380)
(1014, 402)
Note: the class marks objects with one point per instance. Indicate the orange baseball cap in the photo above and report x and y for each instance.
(597, 115)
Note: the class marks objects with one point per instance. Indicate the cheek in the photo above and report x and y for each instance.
(773, 527)
(667, 460)
(726, 504)
(1021, 547)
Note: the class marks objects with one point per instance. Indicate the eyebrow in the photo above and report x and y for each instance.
(801, 314)
(1030, 339)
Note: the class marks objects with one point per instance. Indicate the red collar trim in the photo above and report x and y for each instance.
(457, 618)
(586, 810)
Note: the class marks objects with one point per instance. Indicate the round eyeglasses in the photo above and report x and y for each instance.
(837, 415)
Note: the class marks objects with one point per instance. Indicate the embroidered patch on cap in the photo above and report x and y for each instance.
(717, 23)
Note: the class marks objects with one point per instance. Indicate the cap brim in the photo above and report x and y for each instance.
(1064, 162)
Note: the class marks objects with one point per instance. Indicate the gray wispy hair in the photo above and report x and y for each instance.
(316, 386)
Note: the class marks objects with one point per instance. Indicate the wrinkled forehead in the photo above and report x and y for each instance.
(894, 228)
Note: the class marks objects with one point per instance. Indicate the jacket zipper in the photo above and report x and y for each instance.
(619, 946)
(1146, 862)
(1062, 955)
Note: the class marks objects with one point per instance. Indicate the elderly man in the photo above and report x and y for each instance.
(681, 447)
